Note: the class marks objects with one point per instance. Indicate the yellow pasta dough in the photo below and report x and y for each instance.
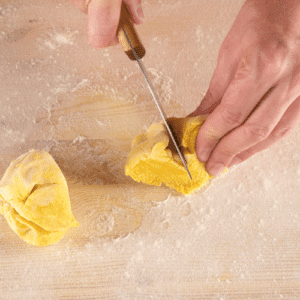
(34, 199)
(153, 158)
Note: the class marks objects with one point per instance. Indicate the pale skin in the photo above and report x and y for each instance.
(253, 99)
(103, 19)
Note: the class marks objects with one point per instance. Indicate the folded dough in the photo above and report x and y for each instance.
(34, 199)
(153, 158)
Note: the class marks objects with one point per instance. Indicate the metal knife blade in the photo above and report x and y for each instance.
(157, 102)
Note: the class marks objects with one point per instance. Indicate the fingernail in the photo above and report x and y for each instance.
(113, 43)
(216, 170)
(235, 161)
(204, 155)
(140, 12)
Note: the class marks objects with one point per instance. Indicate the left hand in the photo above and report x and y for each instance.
(104, 18)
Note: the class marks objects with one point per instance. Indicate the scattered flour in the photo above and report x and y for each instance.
(242, 230)
(79, 139)
(267, 183)
(55, 39)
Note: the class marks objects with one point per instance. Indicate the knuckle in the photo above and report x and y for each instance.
(232, 116)
(270, 70)
(258, 131)
(227, 152)
(249, 152)
(281, 133)
(210, 134)
(272, 58)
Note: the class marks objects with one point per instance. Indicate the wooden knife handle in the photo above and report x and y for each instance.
(125, 22)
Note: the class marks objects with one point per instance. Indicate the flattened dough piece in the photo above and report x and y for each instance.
(34, 199)
(153, 158)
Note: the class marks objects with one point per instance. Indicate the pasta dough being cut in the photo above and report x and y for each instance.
(34, 199)
(153, 158)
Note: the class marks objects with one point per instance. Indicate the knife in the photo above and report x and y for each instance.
(134, 49)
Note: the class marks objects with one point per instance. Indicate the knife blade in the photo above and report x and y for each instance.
(136, 51)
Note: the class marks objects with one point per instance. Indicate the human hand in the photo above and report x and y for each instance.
(104, 17)
(253, 97)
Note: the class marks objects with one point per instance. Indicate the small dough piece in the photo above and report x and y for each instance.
(153, 158)
(34, 199)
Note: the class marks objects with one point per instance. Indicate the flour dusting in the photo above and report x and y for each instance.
(55, 39)
(238, 239)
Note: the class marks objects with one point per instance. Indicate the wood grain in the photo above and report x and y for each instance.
(237, 240)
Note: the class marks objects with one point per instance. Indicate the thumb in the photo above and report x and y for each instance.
(220, 81)
(207, 105)
(217, 88)
(136, 10)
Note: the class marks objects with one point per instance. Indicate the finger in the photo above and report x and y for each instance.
(244, 92)
(256, 129)
(135, 10)
(238, 102)
(207, 105)
(114, 42)
(223, 75)
(286, 125)
(103, 20)
(255, 75)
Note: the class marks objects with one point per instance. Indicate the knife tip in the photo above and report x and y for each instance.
(189, 174)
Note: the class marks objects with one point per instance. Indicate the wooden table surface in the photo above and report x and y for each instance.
(237, 239)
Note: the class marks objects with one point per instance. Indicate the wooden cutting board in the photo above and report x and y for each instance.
(239, 239)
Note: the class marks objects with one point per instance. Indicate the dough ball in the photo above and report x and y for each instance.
(153, 159)
(34, 199)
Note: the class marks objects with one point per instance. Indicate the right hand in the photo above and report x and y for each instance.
(104, 17)
(253, 99)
